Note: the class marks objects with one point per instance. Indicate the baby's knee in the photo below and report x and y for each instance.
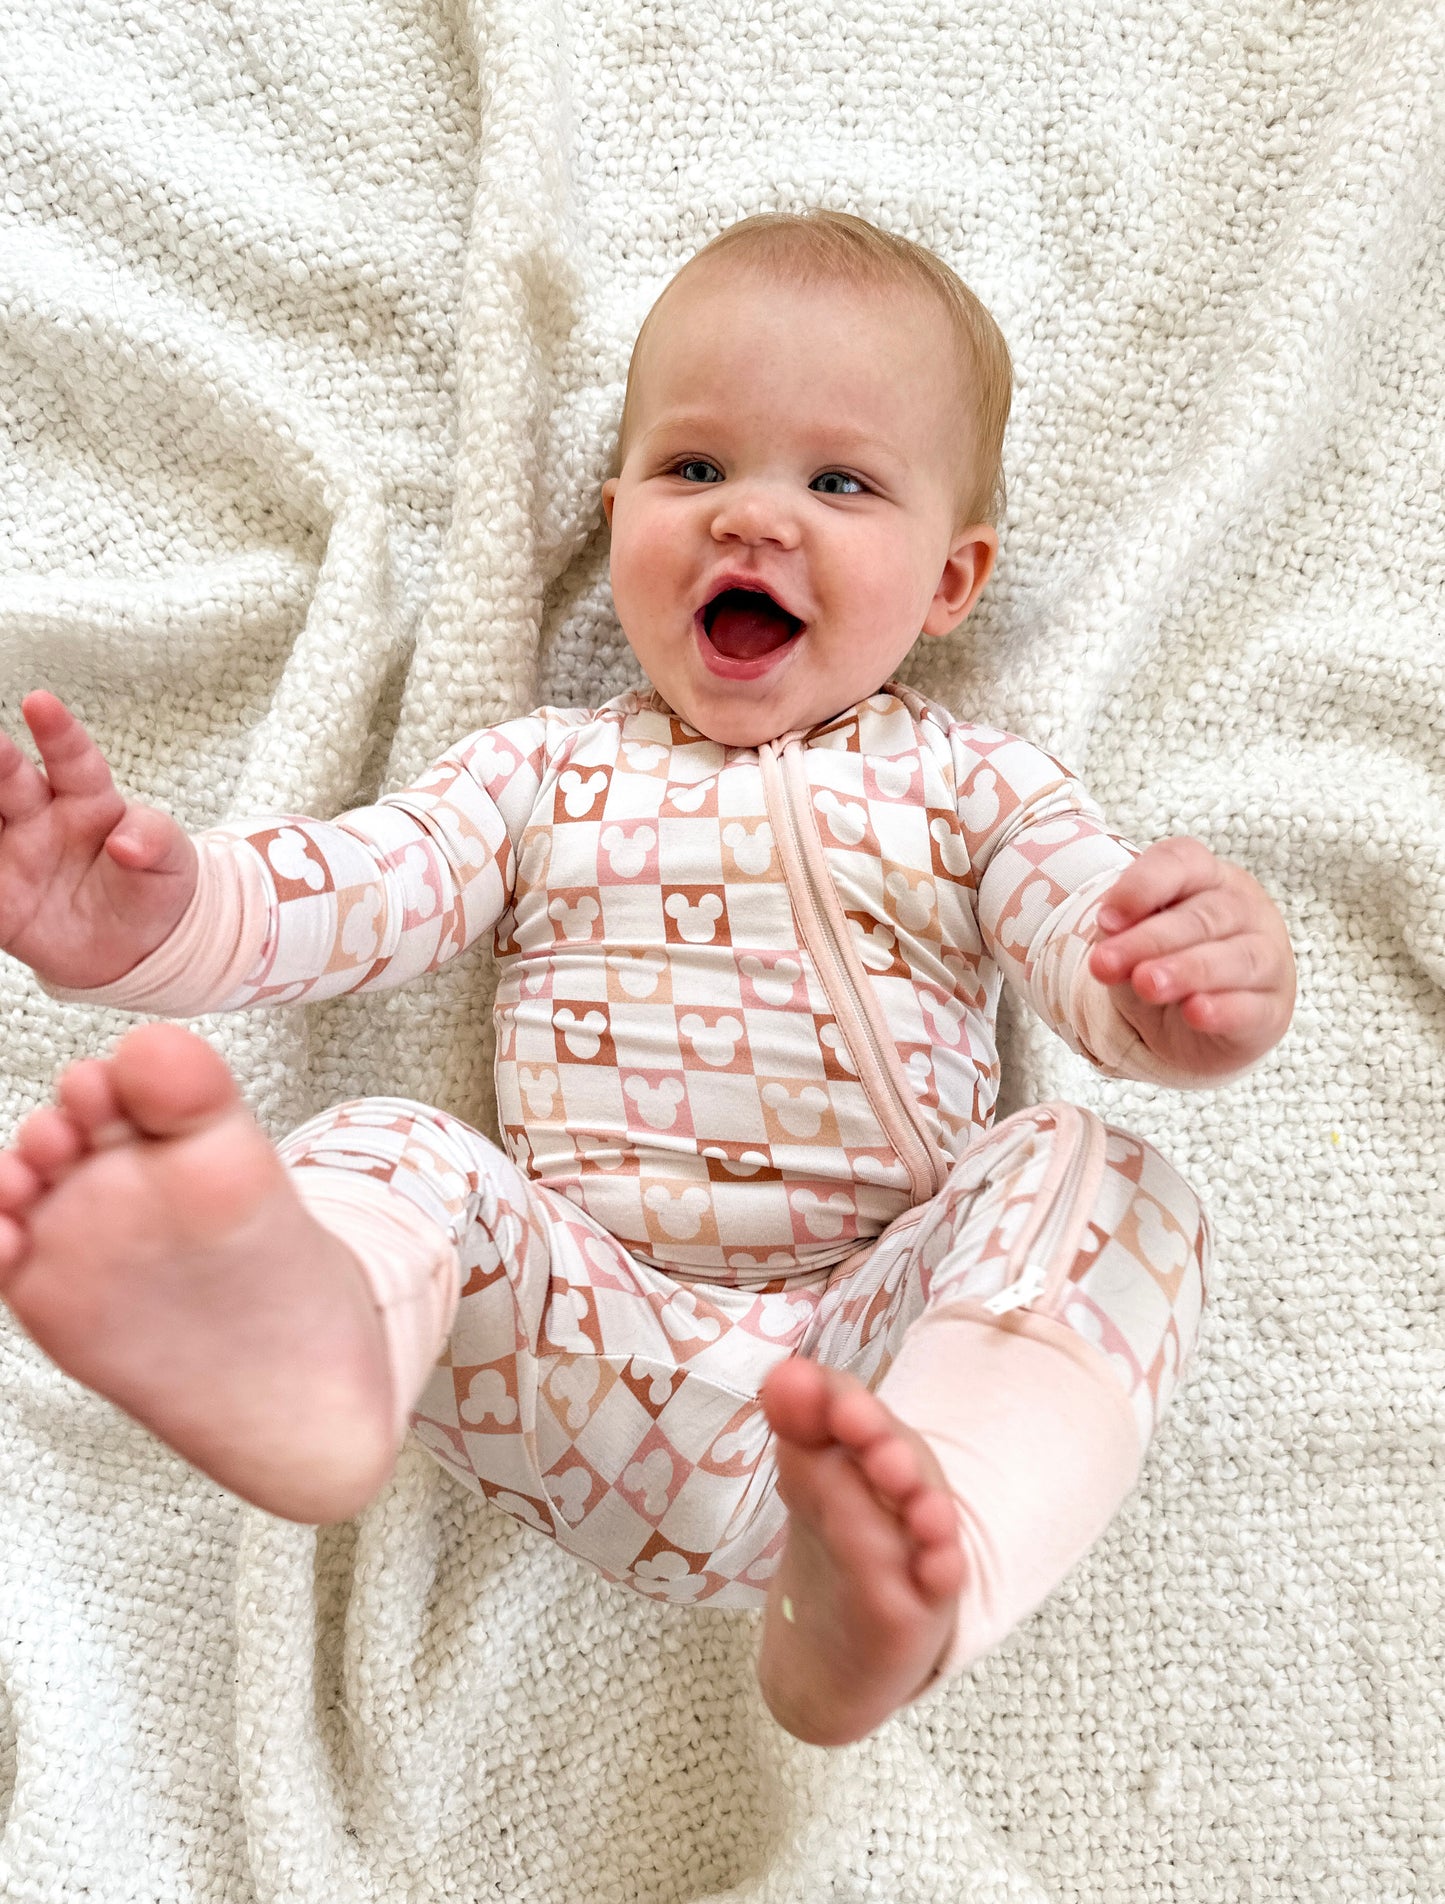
(1163, 1204)
(454, 1174)
(384, 1129)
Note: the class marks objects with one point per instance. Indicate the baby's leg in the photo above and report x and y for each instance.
(1043, 1307)
(608, 1404)
(154, 1245)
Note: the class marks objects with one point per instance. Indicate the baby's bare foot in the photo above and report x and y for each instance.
(152, 1244)
(862, 1605)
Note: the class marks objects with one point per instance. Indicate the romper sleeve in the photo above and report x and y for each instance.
(288, 910)
(1044, 858)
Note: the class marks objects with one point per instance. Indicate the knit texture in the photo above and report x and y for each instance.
(314, 319)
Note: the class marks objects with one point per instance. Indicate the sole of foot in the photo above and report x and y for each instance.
(152, 1244)
(862, 1607)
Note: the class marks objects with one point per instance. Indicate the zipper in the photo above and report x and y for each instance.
(1045, 1248)
(824, 931)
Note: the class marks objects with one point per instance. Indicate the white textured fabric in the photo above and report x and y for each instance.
(314, 316)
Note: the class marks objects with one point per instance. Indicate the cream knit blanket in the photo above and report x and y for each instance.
(314, 316)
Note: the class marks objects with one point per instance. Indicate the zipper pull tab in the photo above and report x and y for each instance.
(1017, 1295)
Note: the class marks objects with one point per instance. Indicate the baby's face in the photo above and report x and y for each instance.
(801, 441)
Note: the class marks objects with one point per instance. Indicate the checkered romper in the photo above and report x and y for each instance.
(746, 1076)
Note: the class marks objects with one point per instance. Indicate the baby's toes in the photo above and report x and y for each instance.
(931, 1517)
(87, 1096)
(894, 1467)
(20, 1191)
(938, 1569)
(20, 1187)
(856, 1417)
(796, 1397)
(50, 1141)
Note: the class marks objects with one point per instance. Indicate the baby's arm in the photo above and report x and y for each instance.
(1050, 865)
(386, 892)
(288, 910)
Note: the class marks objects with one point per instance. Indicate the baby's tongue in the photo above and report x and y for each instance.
(746, 626)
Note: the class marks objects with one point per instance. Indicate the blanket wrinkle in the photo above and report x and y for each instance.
(1346, 244)
(314, 326)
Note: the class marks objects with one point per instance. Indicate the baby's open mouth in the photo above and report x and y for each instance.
(744, 624)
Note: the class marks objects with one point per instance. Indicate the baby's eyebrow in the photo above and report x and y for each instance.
(867, 444)
(676, 423)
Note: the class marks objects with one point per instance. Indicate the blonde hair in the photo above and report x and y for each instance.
(821, 246)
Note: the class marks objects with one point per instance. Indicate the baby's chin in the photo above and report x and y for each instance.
(739, 725)
(740, 731)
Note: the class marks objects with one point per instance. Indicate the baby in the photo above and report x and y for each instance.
(758, 1306)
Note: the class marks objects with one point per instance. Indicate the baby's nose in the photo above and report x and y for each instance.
(757, 512)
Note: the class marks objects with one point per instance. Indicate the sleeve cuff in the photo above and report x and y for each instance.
(216, 943)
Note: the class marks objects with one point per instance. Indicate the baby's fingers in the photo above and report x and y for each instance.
(1205, 917)
(1243, 965)
(1165, 872)
(1250, 1019)
(22, 788)
(72, 761)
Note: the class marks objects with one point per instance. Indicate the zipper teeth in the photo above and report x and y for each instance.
(1038, 1257)
(874, 1076)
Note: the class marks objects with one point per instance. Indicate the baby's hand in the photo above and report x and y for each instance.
(88, 884)
(1197, 957)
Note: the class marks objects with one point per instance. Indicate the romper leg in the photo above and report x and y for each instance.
(473, 1403)
(589, 1396)
(1059, 1278)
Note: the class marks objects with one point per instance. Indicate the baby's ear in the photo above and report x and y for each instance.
(969, 565)
(609, 496)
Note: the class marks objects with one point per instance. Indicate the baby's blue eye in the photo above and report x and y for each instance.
(693, 462)
(839, 476)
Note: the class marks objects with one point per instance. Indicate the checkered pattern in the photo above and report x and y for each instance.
(699, 1183)
(601, 1402)
(668, 1055)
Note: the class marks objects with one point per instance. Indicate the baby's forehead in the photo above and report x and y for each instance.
(707, 279)
(901, 308)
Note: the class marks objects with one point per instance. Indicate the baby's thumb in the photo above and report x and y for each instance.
(145, 840)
